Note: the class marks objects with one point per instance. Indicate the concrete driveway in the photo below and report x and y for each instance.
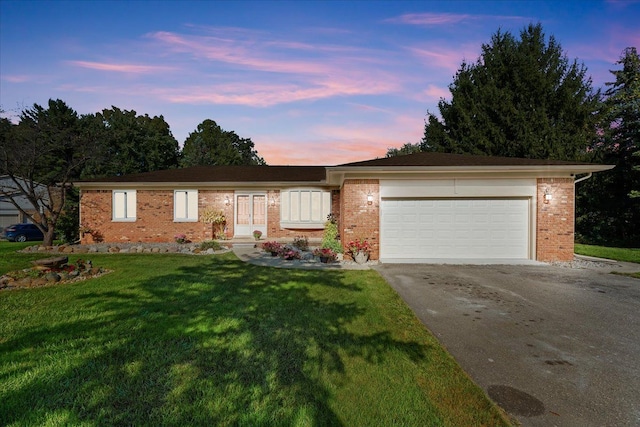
(553, 346)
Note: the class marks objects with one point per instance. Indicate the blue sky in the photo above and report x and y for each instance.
(309, 82)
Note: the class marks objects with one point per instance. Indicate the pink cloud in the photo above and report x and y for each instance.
(17, 78)
(434, 92)
(248, 54)
(344, 144)
(317, 153)
(341, 144)
(119, 68)
(430, 19)
(450, 60)
(264, 95)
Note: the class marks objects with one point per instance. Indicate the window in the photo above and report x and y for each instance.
(124, 205)
(185, 205)
(304, 208)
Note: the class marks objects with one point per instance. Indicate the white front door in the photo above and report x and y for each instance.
(251, 214)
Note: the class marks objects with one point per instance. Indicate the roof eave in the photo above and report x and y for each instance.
(337, 174)
(199, 185)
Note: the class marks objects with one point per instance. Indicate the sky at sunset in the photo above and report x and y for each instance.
(309, 82)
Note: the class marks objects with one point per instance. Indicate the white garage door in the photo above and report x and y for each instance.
(9, 219)
(454, 229)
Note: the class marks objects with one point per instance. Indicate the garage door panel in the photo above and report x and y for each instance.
(454, 228)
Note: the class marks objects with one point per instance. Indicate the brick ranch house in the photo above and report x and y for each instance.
(410, 208)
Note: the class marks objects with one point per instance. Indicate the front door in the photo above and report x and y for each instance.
(251, 214)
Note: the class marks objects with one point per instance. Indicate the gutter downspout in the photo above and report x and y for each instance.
(584, 178)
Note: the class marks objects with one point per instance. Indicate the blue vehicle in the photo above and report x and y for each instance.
(22, 233)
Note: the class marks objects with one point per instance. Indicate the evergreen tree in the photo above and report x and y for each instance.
(521, 98)
(608, 204)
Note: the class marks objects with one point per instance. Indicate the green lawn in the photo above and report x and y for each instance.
(209, 340)
(618, 254)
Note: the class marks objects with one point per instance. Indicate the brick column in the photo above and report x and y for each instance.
(358, 218)
(555, 219)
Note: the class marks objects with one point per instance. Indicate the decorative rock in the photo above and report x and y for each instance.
(56, 262)
(68, 250)
(210, 251)
(25, 282)
(52, 277)
(124, 250)
(113, 249)
(40, 281)
(155, 250)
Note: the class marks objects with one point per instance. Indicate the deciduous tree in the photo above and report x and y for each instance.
(41, 155)
(609, 206)
(209, 144)
(407, 148)
(131, 143)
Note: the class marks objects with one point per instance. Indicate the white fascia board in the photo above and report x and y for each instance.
(336, 176)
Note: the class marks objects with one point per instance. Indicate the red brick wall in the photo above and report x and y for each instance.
(358, 219)
(154, 217)
(555, 220)
(215, 199)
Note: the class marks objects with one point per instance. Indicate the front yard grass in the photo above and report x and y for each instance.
(209, 340)
(618, 254)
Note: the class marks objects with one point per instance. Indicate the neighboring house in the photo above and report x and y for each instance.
(9, 213)
(410, 208)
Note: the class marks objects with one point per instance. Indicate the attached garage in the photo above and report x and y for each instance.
(454, 229)
(9, 219)
(456, 219)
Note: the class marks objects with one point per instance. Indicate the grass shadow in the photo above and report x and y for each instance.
(214, 341)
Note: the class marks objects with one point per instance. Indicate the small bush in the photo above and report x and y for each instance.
(210, 244)
(301, 243)
(330, 236)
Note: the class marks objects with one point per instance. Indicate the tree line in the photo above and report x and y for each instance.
(521, 98)
(524, 98)
(52, 146)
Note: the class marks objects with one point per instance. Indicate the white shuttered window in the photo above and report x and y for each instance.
(124, 205)
(185, 205)
(304, 208)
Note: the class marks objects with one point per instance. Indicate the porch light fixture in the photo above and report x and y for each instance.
(547, 195)
(369, 199)
(226, 201)
(273, 201)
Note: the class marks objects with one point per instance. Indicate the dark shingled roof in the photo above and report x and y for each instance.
(445, 159)
(225, 174)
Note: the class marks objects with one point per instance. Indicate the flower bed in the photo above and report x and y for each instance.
(41, 276)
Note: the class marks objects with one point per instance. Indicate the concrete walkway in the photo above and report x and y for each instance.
(249, 253)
